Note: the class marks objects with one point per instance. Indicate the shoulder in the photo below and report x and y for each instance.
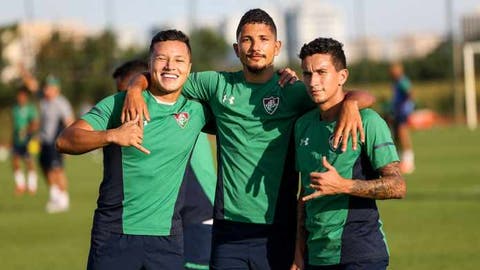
(307, 118)
(371, 119)
(214, 75)
(405, 82)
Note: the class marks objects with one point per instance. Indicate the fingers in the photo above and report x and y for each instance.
(141, 148)
(337, 135)
(354, 139)
(346, 132)
(326, 164)
(123, 117)
(146, 113)
(362, 132)
(287, 76)
(311, 196)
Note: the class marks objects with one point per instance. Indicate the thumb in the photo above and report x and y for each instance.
(326, 164)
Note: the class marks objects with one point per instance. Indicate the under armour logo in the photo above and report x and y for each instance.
(230, 99)
(304, 141)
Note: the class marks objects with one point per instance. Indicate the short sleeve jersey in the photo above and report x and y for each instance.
(343, 228)
(22, 117)
(142, 194)
(254, 128)
(52, 116)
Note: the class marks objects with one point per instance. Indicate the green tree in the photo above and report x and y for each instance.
(209, 49)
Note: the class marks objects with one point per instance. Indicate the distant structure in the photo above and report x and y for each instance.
(24, 42)
(471, 26)
(308, 19)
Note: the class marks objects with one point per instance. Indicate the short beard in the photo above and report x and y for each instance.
(256, 70)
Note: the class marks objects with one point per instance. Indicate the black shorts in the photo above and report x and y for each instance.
(50, 158)
(21, 151)
(366, 265)
(197, 239)
(237, 245)
(118, 251)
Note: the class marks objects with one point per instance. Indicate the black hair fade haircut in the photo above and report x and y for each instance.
(171, 35)
(256, 16)
(326, 46)
(129, 67)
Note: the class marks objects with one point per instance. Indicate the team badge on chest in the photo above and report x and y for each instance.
(271, 104)
(182, 119)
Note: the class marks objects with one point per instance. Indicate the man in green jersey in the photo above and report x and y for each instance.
(137, 223)
(200, 180)
(338, 218)
(255, 200)
(25, 124)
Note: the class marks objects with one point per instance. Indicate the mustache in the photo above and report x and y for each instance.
(256, 55)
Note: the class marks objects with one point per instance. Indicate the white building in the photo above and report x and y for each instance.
(309, 19)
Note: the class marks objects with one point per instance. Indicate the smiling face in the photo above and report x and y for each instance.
(257, 46)
(169, 65)
(324, 82)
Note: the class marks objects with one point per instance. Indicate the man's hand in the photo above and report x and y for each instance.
(326, 183)
(134, 104)
(349, 123)
(128, 134)
(298, 263)
(287, 75)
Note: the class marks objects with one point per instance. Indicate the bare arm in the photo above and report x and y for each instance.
(134, 103)
(390, 185)
(80, 137)
(349, 120)
(28, 79)
(300, 243)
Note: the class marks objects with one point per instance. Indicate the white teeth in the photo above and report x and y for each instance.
(171, 76)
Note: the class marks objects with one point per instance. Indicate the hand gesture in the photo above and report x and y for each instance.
(130, 134)
(349, 123)
(134, 105)
(326, 183)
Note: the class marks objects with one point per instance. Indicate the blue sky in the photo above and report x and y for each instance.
(384, 18)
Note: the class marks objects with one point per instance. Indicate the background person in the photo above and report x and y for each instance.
(402, 107)
(55, 114)
(25, 125)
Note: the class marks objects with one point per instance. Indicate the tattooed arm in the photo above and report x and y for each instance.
(390, 185)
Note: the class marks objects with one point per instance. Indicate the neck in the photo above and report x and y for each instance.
(161, 95)
(331, 108)
(261, 77)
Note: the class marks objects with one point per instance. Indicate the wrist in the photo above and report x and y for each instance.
(109, 136)
(348, 186)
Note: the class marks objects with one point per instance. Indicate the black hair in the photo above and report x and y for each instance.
(171, 34)
(129, 67)
(326, 46)
(256, 16)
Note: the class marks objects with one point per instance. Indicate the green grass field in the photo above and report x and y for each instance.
(435, 227)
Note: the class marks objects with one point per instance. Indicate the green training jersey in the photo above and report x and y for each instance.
(343, 228)
(143, 194)
(23, 116)
(254, 128)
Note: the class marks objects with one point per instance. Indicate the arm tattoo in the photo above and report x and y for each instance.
(390, 185)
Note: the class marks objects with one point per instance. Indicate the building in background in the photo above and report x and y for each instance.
(471, 26)
(307, 20)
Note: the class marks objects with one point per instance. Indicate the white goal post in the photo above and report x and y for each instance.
(469, 51)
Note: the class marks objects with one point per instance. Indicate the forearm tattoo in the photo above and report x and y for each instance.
(390, 185)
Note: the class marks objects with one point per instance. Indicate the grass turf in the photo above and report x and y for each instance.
(435, 227)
